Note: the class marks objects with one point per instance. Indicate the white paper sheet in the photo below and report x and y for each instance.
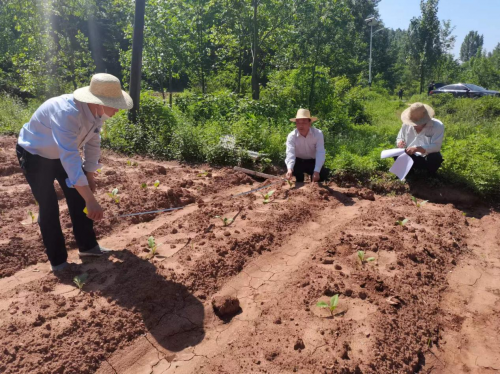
(402, 166)
(392, 152)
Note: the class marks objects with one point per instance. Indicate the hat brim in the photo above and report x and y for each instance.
(405, 117)
(311, 118)
(85, 96)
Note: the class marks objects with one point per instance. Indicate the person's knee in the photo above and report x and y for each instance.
(435, 158)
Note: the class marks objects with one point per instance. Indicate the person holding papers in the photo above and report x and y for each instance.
(421, 135)
(305, 150)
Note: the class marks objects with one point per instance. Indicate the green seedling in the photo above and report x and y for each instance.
(99, 170)
(144, 185)
(114, 195)
(30, 213)
(157, 183)
(402, 223)
(361, 256)
(80, 280)
(331, 305)
(131, 163)
(203, 174)
(225, 221)
(290, 183)
(464, 214)
(418, 204)
(152, 246)
(267, 196)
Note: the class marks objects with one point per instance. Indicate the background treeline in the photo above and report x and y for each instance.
(50, 47)
(244, 67)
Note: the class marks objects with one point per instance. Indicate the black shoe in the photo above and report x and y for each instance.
(97, 251)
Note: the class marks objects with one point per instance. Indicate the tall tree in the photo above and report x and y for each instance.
(424, 43)
(472, 43)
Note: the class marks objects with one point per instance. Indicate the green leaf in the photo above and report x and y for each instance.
(414, 199)
(404, 221)
(370, 259)
(322, 304)
(151, 242)
(361, 255)
(334, 300)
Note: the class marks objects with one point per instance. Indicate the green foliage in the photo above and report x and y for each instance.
(417, 203)
(225, 221)
(80, 280)
(331, 305)
(402, 222)
(267, 197)
(14, 113)
(361, 256)
(114, 195)
(152, 246)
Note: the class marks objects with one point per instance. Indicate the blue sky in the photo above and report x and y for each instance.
(482, 16)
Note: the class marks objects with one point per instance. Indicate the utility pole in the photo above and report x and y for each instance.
(370, 63)
(370, 21)
(135, 68)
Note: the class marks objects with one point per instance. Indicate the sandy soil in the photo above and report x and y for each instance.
(428, 302)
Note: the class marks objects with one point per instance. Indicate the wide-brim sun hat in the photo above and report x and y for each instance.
(104, 89)
(417, 114)
(303, 113)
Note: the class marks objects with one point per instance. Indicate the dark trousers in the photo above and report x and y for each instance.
(307, 166)
(432, 162)
(40, 173)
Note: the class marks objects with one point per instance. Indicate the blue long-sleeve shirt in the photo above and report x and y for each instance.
(58, 129)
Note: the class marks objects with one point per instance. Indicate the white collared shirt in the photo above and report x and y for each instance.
(58, 129)
(310, 147)
(430, 138)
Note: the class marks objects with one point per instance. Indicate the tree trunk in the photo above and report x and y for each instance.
(200, 51)
(162, 88)
(255, 60)
(421, 77)
(170, 88)
(316, 57)
(240, 51)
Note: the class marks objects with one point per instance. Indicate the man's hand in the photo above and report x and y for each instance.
(401, 144)
(315, 177)
(91, 180)
(95, 212)
(289, 174)
(412, 150)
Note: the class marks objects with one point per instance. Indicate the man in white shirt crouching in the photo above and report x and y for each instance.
(305, 149)
(422, 136)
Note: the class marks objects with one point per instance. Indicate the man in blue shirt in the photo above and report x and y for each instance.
(48, 149)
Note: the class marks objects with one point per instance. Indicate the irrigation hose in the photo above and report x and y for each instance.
(181, 207)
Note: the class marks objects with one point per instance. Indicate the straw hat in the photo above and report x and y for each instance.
(303, 113)
(104, 89)
(417, 114)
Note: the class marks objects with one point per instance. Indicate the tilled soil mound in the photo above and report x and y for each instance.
(267, 263)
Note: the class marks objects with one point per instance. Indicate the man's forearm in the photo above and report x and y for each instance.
(85, 192)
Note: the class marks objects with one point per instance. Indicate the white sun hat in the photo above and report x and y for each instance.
(417, 114)
(303, 113)
(104, 89)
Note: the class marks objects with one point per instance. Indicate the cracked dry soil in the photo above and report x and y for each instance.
(428, 303)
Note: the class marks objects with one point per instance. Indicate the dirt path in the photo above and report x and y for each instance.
(404, 312)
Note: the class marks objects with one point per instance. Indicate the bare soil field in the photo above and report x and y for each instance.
(428, 299)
